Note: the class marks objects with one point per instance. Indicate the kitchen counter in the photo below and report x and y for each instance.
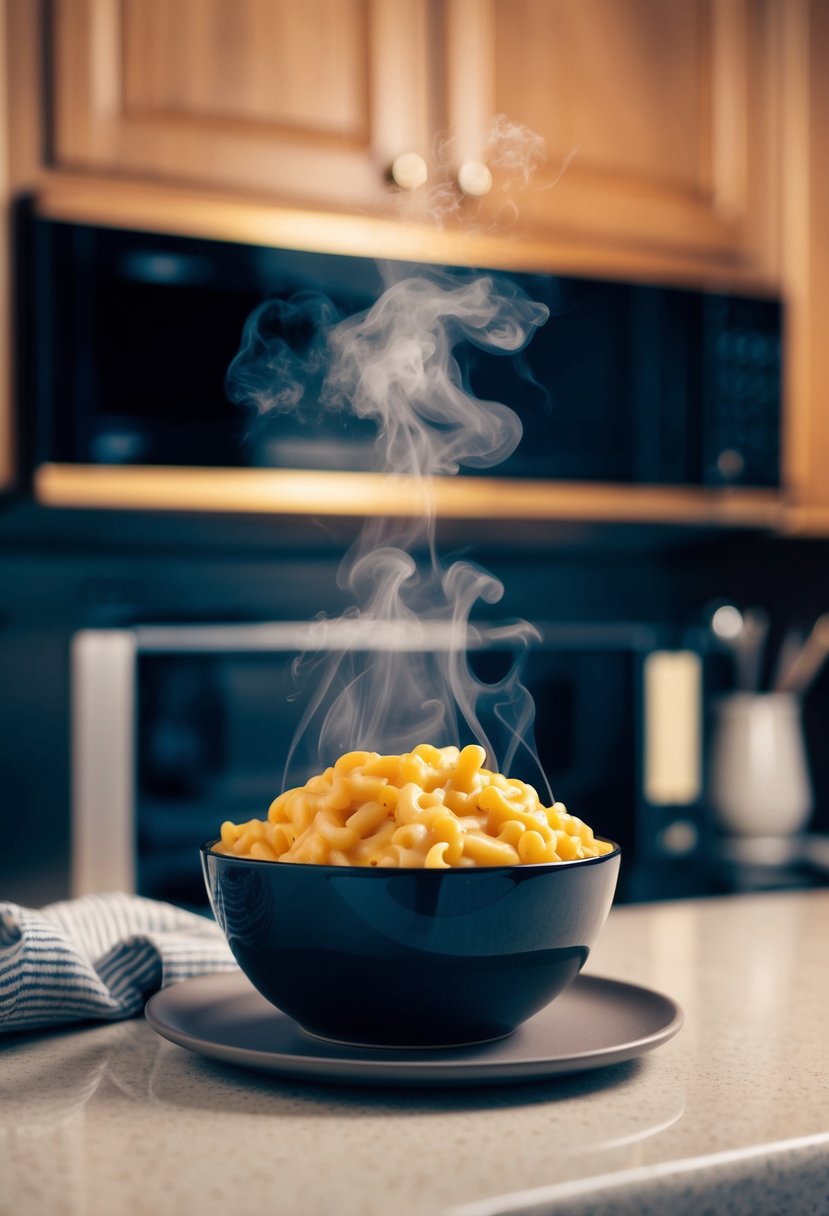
(732, 1115)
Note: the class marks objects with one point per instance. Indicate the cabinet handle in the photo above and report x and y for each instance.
(409, 170)
(474, 178)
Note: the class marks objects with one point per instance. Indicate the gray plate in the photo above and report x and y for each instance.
(593, 1023)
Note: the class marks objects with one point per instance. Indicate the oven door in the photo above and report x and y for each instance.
(177, 728)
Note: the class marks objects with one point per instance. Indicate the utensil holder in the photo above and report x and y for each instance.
(759, 782)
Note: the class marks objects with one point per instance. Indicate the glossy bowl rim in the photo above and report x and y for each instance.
(520, 867)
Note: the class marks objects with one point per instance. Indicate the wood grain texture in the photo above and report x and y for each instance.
(806, 263)
(21, 161)
(300, 68)
(6, 436)
(305, 101)
(658, 117)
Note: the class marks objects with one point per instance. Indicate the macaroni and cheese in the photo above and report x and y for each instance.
(433, 807)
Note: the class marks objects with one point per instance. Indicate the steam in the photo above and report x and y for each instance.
(515, 149)
(395, 670)
(395, 364)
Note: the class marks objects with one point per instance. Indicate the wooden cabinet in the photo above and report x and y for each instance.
(6, 440)
(805, 277)
(303, 101)
(660, 118)
(20, 123)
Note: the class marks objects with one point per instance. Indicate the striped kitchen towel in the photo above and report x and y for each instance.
(99, 957)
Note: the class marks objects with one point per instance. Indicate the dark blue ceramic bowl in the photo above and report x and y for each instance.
(405, 958)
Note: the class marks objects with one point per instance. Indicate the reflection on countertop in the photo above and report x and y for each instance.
(767, 863)
(112, 1118)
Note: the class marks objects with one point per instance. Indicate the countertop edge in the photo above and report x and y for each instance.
(792, 1175)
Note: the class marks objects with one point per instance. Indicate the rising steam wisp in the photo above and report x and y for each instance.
(394, 670)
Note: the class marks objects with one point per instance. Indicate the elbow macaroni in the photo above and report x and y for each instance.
(433, 808)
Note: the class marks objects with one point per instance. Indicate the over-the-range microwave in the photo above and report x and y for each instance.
(132, 335)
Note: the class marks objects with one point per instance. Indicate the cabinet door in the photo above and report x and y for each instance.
(310, 99)
(806, 274)
(658, 118)
(6, 394)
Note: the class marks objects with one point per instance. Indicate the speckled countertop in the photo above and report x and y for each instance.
(731, 1116)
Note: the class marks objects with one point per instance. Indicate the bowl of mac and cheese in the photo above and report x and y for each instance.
(411, 900)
